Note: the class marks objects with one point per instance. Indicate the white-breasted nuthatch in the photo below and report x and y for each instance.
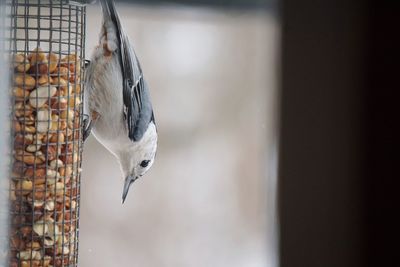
(117, 100)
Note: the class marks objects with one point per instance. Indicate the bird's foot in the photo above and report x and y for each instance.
(87, 63)
(87, 126)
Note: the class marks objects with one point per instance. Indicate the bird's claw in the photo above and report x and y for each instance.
(87, 63)
(87, 126)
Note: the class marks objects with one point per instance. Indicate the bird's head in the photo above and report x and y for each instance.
(137, 159)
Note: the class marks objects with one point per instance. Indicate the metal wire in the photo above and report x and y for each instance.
(46, 44)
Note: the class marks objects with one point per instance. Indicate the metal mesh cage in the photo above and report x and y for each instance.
(46, 44)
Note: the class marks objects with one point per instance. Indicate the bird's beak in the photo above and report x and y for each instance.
(128, 181)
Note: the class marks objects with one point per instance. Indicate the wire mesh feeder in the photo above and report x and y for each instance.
(46, 45)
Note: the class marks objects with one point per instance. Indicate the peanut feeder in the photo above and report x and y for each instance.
(46, 49)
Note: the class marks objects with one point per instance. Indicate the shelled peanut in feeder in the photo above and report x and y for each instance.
(45, 176)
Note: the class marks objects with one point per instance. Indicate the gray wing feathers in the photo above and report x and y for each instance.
(143, 109)
(137, 106)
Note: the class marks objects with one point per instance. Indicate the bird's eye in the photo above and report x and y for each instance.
(144, 163)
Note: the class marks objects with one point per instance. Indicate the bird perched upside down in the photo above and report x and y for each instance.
(117, 100)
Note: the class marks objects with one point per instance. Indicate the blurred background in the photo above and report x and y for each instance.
(209, 199)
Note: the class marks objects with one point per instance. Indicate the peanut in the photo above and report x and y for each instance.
(33, 148)
(67, 90)
(63, 126)
(67, 114)
(40, 172)
(24, 80)
(24, 67)
(53, 59)
(43, 123)
(77, 89)
(18, 92)
(33, 245)
(25, 231)
(58, 81)
(37, 55)
(40, 155)
(27, 158)
(18, 59)
(24, 187)
(17, 126)
(27, 255)
(28, 129)
(41, 95)
(62, 72)
(51, 151)
(56, 163)
(74, 101)
(21, 63)
(54, 122)
(40, 193)
(29, 120)
(49, 205)
(44, 80)
(58, 188)
(40, 228)
(71, 59)
(13, 197)
(39, 61)
(22, 110)
(57, 138)
(26, 139)
(60, 103)
(17, 243)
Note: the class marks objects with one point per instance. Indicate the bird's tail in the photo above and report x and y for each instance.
(111, 35)
(109, 11)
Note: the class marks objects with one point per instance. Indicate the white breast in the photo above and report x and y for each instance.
(104, 96)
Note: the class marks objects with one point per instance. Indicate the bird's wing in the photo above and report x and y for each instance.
(137, 106)
(138, 111)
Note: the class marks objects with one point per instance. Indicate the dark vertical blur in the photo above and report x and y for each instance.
(382, 203)
(337, 184)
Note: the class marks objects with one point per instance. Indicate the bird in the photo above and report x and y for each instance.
(117, 100)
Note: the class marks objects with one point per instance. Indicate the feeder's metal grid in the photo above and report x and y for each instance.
(46, 43)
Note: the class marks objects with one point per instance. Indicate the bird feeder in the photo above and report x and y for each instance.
(46, 43)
